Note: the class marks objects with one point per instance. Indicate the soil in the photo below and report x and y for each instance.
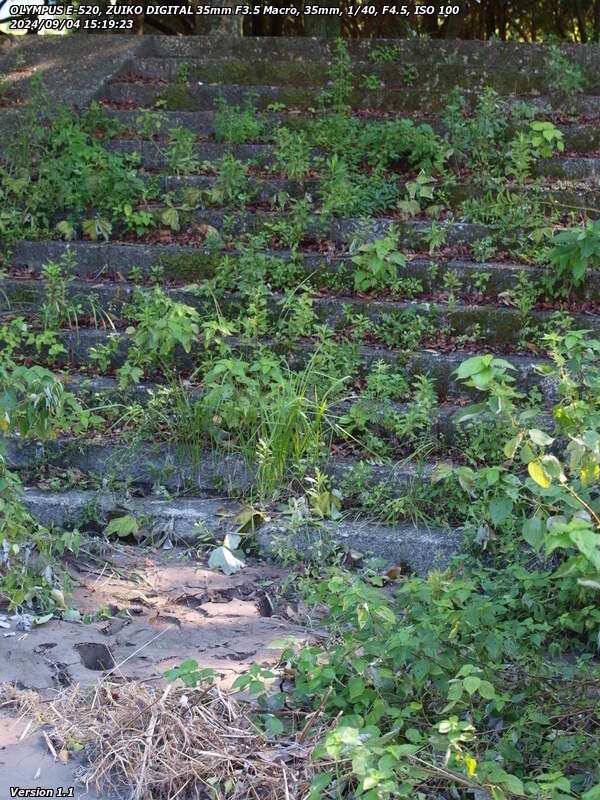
(151, 610)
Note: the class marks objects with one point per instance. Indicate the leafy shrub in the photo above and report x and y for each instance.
(563, 74)
(234, 125)
(160, 325)
(572, 253)
(378, 264)
(545, 138)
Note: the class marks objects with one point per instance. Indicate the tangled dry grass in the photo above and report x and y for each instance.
(160, 744)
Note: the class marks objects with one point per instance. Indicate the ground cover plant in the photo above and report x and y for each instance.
(344, 317)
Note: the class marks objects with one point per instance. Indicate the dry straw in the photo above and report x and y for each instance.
(181, 743)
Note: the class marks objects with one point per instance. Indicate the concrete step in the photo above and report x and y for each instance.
(438, 365)
(489, 325)
(418, 549)
(115, 261)
(201, 97)
(577, 136)
(154, 155)
(149, 465)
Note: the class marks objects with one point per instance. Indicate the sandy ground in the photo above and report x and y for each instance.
(150, 611)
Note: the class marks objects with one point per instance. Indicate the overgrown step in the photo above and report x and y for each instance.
(488, 325)
(202, 97)
(419, 549)
(577, 136)
(438, 365)
(155, 156)
(413, 233)
(148, 464)
(115, 261)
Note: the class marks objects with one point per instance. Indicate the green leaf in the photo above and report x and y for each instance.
(273, 725)
(385, 613)
(486, 690)
(441, 471)
(500, 508)
(510, 448)
(466, 478)
(533, 532)
(126, 525)
(66, 230)
(513, 784)
(472, 683)
(170, 218)
(539, 437)
(356, 687)
(319, 782)
(470, 366)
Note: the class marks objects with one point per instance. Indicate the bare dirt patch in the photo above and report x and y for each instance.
(144, 612)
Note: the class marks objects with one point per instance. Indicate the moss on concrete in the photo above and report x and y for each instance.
(191, 266)
(178, 98)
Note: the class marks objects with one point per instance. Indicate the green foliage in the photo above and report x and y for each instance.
(572, 253)
(483, 139)
(33, 403)
(160, 325)
(416, 681)
(563, 75)
(231, 187)
(378, 264)
(181, 155)
(190, 674)
(64, 171)
(279, 418)
(341, 77)
(545, 138)
(292, 153)
(234, 125)
(416, 192)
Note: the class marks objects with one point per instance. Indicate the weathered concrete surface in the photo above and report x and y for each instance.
(420, 549)
(73, 68)
(177, 519)
(147, 465)
(474, 59)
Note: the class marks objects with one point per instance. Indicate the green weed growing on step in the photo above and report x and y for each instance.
(341, 78)
(563, 75)
(572, 253)
(181, 152)
(378, 263)
(60, 173)
(33, 403)
(292, 153)
(235, 125)
(159, 326)
(231, 187)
